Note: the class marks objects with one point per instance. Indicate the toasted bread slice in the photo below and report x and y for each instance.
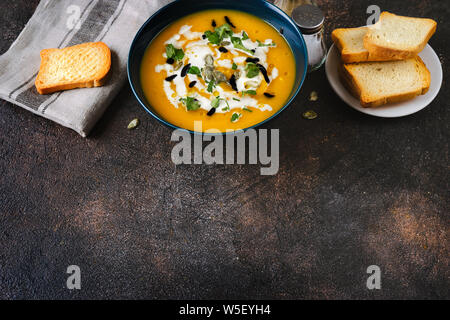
(350, 43)
(379, 83)
(395, 37)
(82, 66)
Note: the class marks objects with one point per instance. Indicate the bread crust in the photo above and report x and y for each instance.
(97, 81)
(350, 81)
(347, 56)
(385, 53)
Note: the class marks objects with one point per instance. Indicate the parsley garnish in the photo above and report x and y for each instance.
(195, 70)
(174, 53)
(237, 43)
(213, 37)
(252, 70)
(261, 44)
(191, 104)
(246, 109)
(224, 31)
(235, 117)
(244, 35)
(234, 67)
(250, 92)
(227, 108)
(215, 103)
(211, 86)
(219, 34)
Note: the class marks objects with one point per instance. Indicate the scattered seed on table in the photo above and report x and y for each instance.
(133, 124)
(314, 96)
(310, 115)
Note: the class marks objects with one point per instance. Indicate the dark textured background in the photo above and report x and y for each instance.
(352, 191)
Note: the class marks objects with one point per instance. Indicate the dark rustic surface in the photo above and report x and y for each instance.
(352, 191)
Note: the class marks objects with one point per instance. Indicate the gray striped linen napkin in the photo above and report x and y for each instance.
(63, 23)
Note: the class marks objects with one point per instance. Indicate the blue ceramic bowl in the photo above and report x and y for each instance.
(180, 8)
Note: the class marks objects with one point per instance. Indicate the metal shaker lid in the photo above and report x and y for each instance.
(309, 18)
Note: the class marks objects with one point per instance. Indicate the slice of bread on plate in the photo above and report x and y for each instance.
(378, 83)
(396, 37)
(82, 66)
(350, 43)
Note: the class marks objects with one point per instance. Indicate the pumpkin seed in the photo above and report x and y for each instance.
(310, 115)
(314, 96)
(208, 73)
(251, 85)
(219, 76)
(177, 65)
(209, 60)
(133, 124)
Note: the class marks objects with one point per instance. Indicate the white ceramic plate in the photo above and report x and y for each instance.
(391, 110)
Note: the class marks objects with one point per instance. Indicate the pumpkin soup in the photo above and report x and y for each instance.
(228, 69)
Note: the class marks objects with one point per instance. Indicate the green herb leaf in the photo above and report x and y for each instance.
(247, 109)
(195, 70)
(191, 104)
(211, 86)
(213, 37)
(170, 51)
(235, 117)
(250, 92)
(237, 43)
(219, 34)
(234, 67)
(252, 70)
(227, 108)
(262, 44)
(236, 99)
(179, 54)
(174, 53)
(244, 35)
(224, 31)
(215, 103)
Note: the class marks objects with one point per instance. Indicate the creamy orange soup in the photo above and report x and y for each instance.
(228, 69)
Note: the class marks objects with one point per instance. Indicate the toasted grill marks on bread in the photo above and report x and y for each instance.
(82, 66)
(379, 83)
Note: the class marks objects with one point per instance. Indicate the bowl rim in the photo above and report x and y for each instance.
(275, 115)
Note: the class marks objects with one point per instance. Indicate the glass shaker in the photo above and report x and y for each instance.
(310, 19)
(289, 5)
